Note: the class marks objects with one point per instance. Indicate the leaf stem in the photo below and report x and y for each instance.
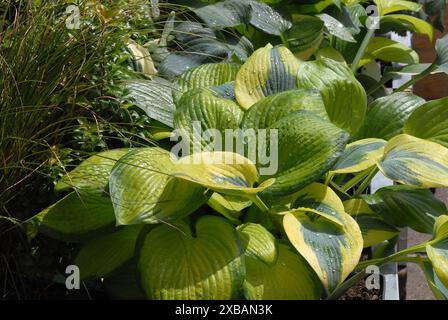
(366, 182)
(259, 203)
(362, 49)
(354, 181)
(415, 79)
(399, 256)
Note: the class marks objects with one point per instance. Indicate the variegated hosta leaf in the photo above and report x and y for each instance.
(320, 200)
(225, 172)
(226, 90)
(273, 270)
(149, 185)
(230, 207)
(415, 162)
(332, 250)
(360, 155)
(271, 109)
(142, 61)
(143, 189)
(92, 173)
(437, 287)
(200, 110)
(207, 75)
(305, 36)
(76, 217)
(430, 121)
(389, 6)
(102, 255)
(374, 229)
(268, 70)
(437, 249)
(308, 146)
(176, 263)
(404, 206)
(344, 97)
(386, 116)
(155, 97)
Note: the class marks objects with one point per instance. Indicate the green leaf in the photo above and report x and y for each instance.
(336, 28)
(415, 162)
(259, 243)
(389, 50)
(441, 62)
(76, 217)
(268, 71)
(386, 116)
(229, 206)
(232, 13)
(437, 249)
(205, 109)
(344, 97)
(305, 36)
(273, 270)
(289, 278)
(430, 121)
(332, 250)
(102, 255)
(359, 156)
(93, 173)
(143, 189)
(395, 21)
(271, 109)
(224, 14)
(374, 229)
(155, 97)
(266, 19)
(437, 9)
(176, 263)
(123, 283)
(308, 146)
(437, 287)
(403, 206)
(389, 6)
(207, 75)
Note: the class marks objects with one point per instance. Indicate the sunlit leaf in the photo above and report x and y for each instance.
(93, 173)
(344, 97)
(415, 162)
(177, 264)
(430, 121)
(360, 155)
(269, 70)
(332, 250)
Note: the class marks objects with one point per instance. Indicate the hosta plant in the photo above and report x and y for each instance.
(279, 208)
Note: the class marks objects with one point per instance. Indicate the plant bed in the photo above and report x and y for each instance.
(268, 140)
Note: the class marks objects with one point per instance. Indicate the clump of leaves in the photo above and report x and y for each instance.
(215, 229)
